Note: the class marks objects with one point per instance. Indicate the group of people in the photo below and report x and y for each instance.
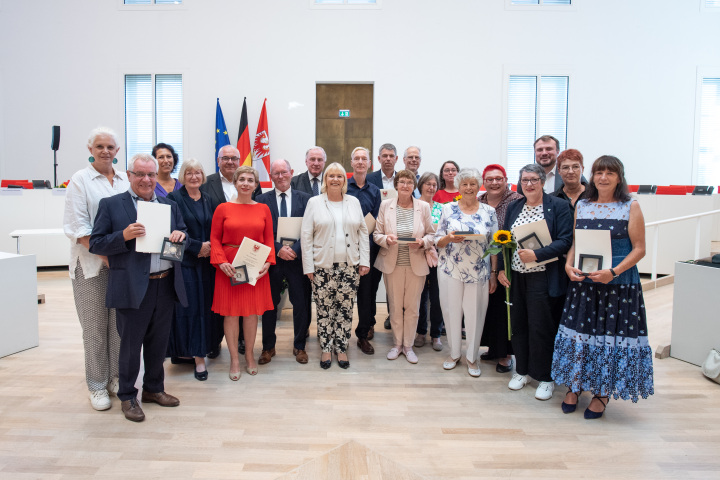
(427, 240)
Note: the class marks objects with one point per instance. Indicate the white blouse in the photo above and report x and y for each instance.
(84, 192)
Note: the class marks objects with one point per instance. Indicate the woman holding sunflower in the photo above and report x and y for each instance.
(495, 334)
(465, 278)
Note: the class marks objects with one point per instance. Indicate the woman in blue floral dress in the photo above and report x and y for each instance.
(602, 344)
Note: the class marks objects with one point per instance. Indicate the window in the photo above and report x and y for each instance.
(152, 2)
(153, 113)
(706, 170)
(329, 4)
(536, 106)
(540, 2)
(542, 5)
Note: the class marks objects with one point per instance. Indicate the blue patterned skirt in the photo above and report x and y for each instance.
(602, 343)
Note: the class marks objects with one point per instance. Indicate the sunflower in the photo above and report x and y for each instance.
(457, 198)
(502, 237)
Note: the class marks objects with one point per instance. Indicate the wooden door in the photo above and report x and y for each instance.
(337, 134)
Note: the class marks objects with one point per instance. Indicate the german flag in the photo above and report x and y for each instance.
(243, 143)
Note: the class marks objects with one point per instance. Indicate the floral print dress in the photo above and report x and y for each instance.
(602, 343)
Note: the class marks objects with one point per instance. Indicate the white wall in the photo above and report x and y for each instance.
(437, 67)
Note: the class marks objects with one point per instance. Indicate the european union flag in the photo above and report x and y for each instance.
(221, 134)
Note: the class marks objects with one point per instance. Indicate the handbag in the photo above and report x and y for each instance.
(711, 366)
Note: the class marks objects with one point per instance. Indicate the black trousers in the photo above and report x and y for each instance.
(495, 331)
(432, 293)
(146, 328)
(366, 296)
(299, 290)
(535, 317)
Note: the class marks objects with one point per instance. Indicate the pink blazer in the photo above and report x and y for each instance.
(386, 224)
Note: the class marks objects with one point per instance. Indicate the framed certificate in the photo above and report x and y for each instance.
(240, 277)
(590, 263)
(531, 242)
(172, 251)
(288, 242)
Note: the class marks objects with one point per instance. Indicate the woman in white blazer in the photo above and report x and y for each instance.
(335, 253)
(403, 231)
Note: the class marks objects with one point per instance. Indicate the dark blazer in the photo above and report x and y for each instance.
(560, 223)
(129, 270)
(299, 202)
(213, 187)
(301, 182)
(197, 232)
(375, 178)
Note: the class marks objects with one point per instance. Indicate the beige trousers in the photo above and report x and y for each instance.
(458, 299)
(404, 290)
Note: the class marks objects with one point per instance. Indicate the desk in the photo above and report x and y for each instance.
(18, 297)
(695, 319)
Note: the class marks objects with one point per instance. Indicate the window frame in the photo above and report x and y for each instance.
(345, 6)
(702, 73)
(153, 7)
(544, 8)
(155, 71)
(531, 71)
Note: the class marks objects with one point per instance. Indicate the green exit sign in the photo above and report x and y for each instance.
(344, 113)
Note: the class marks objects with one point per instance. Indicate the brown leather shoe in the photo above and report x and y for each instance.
(132, 410)
(161, 398)
(371, 333)
(365, 346)
(266, 356)
(301, 356)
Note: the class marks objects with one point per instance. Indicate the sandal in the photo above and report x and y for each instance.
(570, 407)
(590, 415)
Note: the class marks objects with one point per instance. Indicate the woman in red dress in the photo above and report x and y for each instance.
(234, 220)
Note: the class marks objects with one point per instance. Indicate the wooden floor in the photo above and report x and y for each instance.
(379, 419)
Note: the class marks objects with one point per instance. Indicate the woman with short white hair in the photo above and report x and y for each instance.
(89, 272)
(465, 278)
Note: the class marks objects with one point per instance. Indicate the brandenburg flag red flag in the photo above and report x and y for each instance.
(243, 143)
(261, 150)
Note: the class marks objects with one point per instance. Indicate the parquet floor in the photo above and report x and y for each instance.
(377, 420)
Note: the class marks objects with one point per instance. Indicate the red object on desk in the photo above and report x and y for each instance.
(22, 183)
(633, 188)
(671, 190)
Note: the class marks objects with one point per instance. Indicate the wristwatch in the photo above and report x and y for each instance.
(615, 275)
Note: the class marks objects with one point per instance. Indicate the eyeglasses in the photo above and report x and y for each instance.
(450, 170)
(150, 175)
(193, 174)
(567, 168)
(406, 183)
(530, 181)
(281, 174)
(230, 159)
(494, 179)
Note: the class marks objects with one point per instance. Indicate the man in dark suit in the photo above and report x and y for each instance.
(285, 201)
(546, 150)
(142, 287)
(220, 188)
(387, 157)
(412, 159)
(310, 182)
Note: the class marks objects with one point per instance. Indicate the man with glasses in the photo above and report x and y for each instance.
(285, 201)
(310, 182)
(142, 287)
(219, 186)
(412, 160)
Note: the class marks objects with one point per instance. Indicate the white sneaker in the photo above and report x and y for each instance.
(393, 353)
(113, 386)
(545, 390)
(410, 356)
(100, 400)
(517, 381)
(437, 344)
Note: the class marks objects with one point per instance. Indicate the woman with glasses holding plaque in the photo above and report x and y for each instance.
(404, 231)
(538, 289)
(602, 344)
(233, 221)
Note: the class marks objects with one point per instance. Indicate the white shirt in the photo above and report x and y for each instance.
(288, 200)
(388, 181)
(228, 188)
(84, 192)
(549, 186)
(311, 181)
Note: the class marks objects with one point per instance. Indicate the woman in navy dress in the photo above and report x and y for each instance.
(191, 329)
(602, 344)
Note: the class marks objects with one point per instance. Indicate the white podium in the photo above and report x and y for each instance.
(18, 297)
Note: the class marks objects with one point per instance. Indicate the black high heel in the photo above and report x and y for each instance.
(569, 408)
(590, 415)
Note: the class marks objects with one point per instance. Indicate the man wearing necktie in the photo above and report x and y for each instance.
(142, 287)
(311, 181)
(286, 201)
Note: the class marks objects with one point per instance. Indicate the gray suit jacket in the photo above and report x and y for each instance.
(301, 183)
